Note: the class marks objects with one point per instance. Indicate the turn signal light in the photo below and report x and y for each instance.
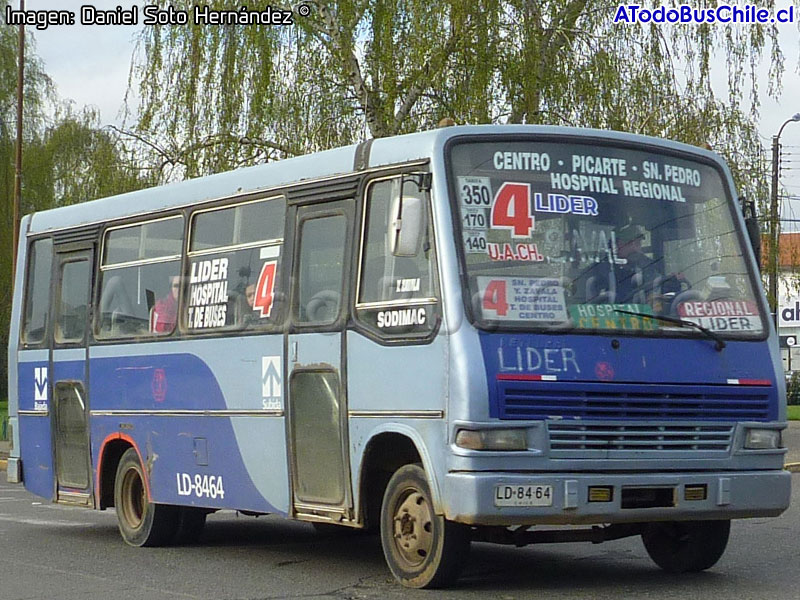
(695, 492)
(601, 493)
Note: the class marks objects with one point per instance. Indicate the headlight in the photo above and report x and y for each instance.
(492, 439)
(763, 439)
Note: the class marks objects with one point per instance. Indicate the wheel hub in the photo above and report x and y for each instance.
(413, 528)
(133, 498)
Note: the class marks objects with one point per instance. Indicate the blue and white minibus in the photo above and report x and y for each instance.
(472, 333)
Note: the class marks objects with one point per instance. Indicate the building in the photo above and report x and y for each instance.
(789, 299)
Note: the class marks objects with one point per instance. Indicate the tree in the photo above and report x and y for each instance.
(75, 160)
(67, 158)
(213, 98)
(37, 91)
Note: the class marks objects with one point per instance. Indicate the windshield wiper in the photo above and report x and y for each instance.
(720, 343)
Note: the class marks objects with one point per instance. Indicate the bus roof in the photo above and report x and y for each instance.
(339, 161)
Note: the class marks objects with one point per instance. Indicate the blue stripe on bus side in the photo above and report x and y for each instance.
(172, 446)
(36, 450)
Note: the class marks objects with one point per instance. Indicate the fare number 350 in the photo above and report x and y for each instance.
(511, 208)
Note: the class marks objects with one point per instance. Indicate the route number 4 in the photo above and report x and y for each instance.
(512, 209)
(494, 297)
(263, 294)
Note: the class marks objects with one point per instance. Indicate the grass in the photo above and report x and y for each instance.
(794, 412)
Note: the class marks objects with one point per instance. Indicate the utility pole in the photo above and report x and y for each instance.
(774, 220)
(774, 235)
(18, 157)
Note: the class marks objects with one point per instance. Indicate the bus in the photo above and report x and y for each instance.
(511, 334)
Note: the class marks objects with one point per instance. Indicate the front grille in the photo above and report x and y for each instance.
(610, 401)
(641, 438)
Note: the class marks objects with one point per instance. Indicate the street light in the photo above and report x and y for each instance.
(775, 220)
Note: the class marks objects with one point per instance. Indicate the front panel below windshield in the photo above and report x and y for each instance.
(590, 238)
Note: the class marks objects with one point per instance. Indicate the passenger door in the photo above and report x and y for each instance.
(317, 394)
(70, 406)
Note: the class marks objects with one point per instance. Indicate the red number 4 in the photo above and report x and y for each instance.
(266, 282)
(512, 209)
(494, 298)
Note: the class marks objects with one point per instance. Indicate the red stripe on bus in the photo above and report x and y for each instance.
(507, 377)
(755, 382)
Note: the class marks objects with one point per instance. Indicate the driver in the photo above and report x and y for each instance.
(634, 271)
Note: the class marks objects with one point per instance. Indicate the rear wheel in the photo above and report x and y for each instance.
(422, 549)
(688, 546)
(141, 522)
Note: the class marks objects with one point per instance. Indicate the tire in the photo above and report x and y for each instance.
(141, 522)
(688, 546)
(422, 549)
(191, 522)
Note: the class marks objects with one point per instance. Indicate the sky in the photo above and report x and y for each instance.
(91, 65)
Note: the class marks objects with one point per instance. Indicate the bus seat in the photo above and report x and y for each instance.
(684, 297)
(323, 306)
(596, 293)
(114, 303)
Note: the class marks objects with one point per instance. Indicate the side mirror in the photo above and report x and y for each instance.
(407, 225)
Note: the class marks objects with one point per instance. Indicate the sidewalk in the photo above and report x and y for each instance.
(5, 449)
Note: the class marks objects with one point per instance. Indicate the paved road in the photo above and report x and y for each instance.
(49, 551)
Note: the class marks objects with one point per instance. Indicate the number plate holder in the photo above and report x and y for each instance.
(523, 495)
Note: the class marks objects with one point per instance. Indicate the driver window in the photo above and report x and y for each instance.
(384, 277)
(321, 270)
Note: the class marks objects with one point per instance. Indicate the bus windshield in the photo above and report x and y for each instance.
(591, 237)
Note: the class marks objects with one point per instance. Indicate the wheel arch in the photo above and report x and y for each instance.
(111, 451)
(389, 447)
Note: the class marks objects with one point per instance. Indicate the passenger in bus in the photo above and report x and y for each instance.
(165, 312)
(250, 317)
(250, 294)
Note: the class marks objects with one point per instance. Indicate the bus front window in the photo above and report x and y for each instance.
(564, 236)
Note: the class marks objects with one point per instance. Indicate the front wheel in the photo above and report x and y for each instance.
(686, 547)
(141, 522)
(422, 549)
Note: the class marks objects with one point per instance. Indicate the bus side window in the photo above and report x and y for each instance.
(234, 263)
(321, 270)
(37, 291)
(385, 277)
(72, 305)
(397, 295)
(140, 263)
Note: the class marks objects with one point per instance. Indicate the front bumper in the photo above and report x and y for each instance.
(469, 497)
